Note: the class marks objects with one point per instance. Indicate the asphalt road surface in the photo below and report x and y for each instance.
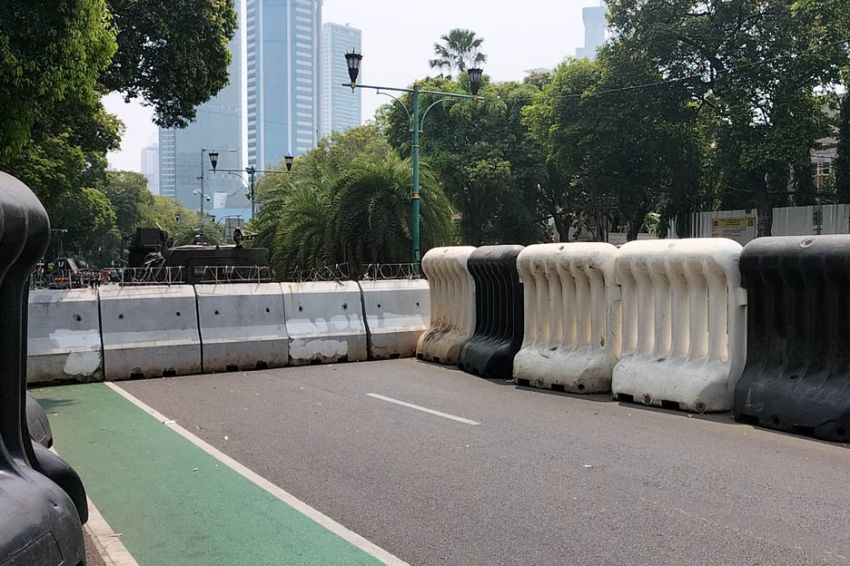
(542, 478)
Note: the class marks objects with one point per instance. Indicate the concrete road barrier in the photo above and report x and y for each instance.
(242, 326)
(797, 375)
(499, 313)
(63, 336)
(149, 331)
(684, 323)
(397, 312)
(324, 322)
(452, 293)
(572, 326)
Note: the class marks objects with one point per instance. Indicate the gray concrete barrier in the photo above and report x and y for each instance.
(149, 331)
(324, 322)
(63, 336)
(242, 326)
(396, 313)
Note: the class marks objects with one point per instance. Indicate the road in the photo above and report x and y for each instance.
(469, 471)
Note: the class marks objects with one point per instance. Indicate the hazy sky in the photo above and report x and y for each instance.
(398, 41)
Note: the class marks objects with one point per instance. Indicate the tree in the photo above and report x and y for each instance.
(481, 153)
(458, 50)
(171, 53)
(622, 154)
(347, 201)
(128, 193)
(89, 221)
(757, 66)
(180, 223)
(50, 55)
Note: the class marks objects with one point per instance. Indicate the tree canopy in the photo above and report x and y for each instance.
(347, 202)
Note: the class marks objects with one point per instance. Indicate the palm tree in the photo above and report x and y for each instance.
(459, 50)
(372, 219)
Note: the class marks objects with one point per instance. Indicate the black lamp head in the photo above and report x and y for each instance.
(213, 159)
(475, 80)
(288, 159)
(352, 61)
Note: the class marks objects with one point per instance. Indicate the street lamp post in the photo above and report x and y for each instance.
(352, 61)
(213, 155)
(252, 172)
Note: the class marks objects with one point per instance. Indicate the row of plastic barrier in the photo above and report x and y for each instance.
(125, 332)
(662, 323)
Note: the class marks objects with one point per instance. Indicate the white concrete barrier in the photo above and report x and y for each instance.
(452, 304)
(572, 327)
(242, 326)
(684, 323)
(397, 313)
(324, 322)
(149, 331)
(63, 336)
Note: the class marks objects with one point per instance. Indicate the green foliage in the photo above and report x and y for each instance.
(51, 55)
(180, 223)
(758, 67)
(347, 202)
(129, 195)
(458, 50)
(89, 221)
(171, 53)
(481, 152)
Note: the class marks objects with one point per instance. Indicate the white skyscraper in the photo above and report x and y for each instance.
(340, 109)
(150, 167)
(283, 78)
(594, 31)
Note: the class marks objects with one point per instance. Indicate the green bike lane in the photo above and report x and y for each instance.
(172, 502)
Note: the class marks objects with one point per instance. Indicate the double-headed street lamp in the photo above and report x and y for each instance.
(352, 61)
(251, 171)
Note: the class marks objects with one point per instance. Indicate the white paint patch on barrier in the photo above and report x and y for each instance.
(242, 326)
(63, 336)
(684, 323)
(397, 313)
(149, 331)
(324, 322)
(572, 327)
(452, 304)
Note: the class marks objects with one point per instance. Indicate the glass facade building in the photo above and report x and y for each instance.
(282, 78)
(594, 31)
(217, 126)
(340, 108)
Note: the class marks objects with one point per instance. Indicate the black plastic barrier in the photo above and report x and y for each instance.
(797, 376)
(498, 313)
(40, 524)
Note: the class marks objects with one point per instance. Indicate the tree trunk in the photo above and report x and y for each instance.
(764, 206)
(636, 222)
(562, 225)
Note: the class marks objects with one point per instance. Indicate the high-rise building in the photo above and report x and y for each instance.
(340, 109)
(216, 127)
(150, 167)
(283, 78)
(594, 31)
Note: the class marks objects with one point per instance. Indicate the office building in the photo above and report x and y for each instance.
(217, 127)
(282, 78)
(594, 31)
(150, 167)
(340, 108)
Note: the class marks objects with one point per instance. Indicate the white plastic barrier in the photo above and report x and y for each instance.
(63, 336)
(572, 329)
(452, 304)
(324, 322)
(242, 326)
(684, 323)
(397, 313)
(149, 331)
